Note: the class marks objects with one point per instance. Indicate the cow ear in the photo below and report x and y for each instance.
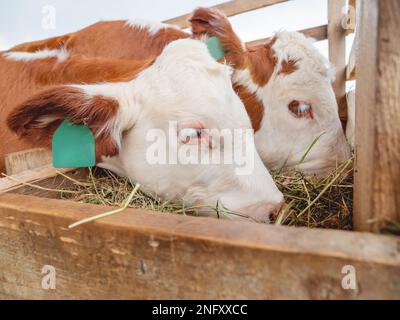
(39, 116)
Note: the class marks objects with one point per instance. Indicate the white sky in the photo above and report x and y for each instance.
(21, 20)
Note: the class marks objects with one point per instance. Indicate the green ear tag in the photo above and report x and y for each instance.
(215, 48)
(73, 146)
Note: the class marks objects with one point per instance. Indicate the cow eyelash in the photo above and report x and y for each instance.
(301, 109)
(189, 134)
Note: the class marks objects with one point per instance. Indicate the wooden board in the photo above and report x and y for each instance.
(351, 66)
(146, 255)
(17, 162)
(318, 33)
(10, 183)
(337, 50)
(377, 187)
(351, 107)
(229, 8)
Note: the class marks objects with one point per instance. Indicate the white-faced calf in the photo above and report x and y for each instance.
(285, 83)
(183, 91)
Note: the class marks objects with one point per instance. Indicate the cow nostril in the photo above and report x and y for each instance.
(263, 212)
(276, 210)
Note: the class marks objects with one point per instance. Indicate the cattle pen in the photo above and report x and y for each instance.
(149, 255)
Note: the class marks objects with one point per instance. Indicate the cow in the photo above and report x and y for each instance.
(285, 83)
(122, 101)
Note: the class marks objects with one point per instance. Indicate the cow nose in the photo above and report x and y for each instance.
(264, 211)
(277, 209)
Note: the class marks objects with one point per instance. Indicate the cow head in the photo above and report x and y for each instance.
(178, 105)
(300, 110)
(286, 87)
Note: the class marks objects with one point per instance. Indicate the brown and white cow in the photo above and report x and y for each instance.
(285, 84)
(122, 102)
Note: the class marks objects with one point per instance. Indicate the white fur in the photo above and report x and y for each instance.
(243, 77)
(151, 26)
(60, 54)
(296, 46)
(283, 139)
(120, 92)
(185, 84)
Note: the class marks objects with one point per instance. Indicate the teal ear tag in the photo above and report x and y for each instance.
(215, 48)
(73, 146)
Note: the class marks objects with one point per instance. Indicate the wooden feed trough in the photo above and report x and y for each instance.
(142, 254)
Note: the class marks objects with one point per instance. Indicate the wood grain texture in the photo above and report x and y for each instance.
(377, 187)
(49, 187)
(146, 255)
(337, 50)
(318, 33)
(229, 8)
(17, 162)
(29, 176)
(351, 116)
(351, 66)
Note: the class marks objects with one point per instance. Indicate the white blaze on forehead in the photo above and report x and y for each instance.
(60, 54)
(186, 66)
(150, 25)
(296, 46)
(289, 46)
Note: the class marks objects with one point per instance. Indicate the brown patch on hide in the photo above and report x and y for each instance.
(38, 117)
(254, 107)
(288, 67)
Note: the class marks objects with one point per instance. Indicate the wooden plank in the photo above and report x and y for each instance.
(318, 33)
(29, 176)
(377, 187)
(229, 8)
(343, 112)
(147, 255)
(351, 66)
(17, 162)
(337, 49)
(351, 17)
(50, 187)
(351, 116)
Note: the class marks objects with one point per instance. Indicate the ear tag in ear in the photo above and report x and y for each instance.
(73, 146)
(215, 48)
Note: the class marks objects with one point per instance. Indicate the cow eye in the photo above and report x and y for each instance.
(193, 135)
(301, 109)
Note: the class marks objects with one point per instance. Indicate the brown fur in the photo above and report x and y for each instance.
(253, 105)
(63, 102)
(22, 83)
(51, 43)
(212, 22)
(260, 60)
(288, 67)
(111, 39)
(114, 39)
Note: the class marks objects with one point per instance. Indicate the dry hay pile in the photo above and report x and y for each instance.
(312, 202)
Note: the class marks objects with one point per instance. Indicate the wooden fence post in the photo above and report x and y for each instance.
(337, 51)
(377, 172)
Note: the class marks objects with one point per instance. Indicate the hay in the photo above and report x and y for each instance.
(318, 203)
(312, 202)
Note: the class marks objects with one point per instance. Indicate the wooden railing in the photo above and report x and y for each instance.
(333, 31)
(376, 196)
(230, 8)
